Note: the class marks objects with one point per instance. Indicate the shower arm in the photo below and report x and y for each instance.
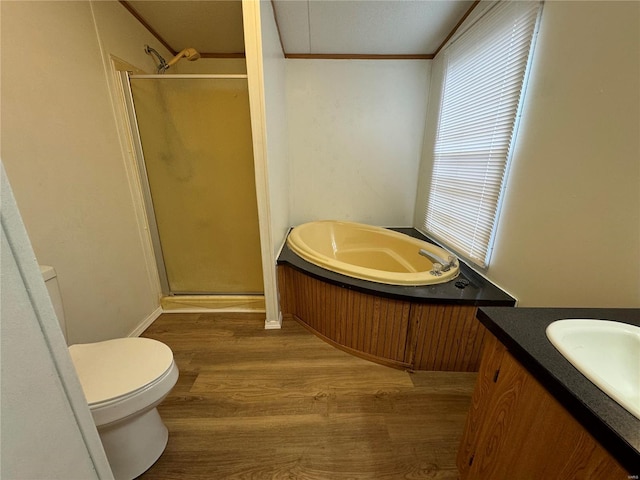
(162, 64)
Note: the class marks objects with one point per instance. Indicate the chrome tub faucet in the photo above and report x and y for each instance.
(439, 265)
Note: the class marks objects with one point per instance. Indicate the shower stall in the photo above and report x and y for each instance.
(192, 136)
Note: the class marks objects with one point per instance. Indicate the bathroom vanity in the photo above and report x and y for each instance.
(533, 415)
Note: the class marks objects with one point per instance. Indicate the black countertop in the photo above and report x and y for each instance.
(522, 331)
(479, 291)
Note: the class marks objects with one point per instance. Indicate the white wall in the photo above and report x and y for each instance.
(355, 138)
(274, 65)
(569, 233)
(62, 152)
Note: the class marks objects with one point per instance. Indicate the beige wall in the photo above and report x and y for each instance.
(47, 428)
(211, 65)
(569, 233)
(62, 150)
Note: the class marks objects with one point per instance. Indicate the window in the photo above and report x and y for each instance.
(484, 75)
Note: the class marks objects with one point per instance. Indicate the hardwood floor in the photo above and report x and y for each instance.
(282, 404)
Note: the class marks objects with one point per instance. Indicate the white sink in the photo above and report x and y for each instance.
(606, 352)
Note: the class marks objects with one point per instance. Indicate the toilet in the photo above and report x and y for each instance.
(123, 380)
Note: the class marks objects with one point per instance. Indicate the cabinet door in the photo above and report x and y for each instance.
(480, 402)
(520, 431)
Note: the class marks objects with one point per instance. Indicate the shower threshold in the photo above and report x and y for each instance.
(212, 303)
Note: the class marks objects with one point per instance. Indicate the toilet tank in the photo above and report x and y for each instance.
(51, 282)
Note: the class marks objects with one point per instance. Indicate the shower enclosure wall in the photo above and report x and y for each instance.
(196, 164)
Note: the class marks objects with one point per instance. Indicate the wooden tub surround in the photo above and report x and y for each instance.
(431, 327)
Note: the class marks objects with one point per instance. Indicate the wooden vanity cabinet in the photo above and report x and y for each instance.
(515, 429)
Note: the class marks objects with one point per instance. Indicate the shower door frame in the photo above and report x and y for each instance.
(138, 153)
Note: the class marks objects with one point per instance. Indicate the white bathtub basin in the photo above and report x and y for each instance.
(606, 352)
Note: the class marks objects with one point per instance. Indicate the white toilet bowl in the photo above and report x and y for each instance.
(123, 380)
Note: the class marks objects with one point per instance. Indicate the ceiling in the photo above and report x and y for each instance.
(308, 28)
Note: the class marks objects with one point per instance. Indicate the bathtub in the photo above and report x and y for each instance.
(368, 253)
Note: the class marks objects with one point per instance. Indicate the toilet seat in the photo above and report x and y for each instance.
(122, 376)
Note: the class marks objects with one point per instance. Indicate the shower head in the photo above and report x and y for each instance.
(190, 54)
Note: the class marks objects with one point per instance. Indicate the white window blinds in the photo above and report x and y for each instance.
(483, 79)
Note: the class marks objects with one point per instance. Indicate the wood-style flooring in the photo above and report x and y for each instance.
(282, 404)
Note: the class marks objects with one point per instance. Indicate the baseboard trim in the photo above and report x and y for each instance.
(273, 324)
(136, 332)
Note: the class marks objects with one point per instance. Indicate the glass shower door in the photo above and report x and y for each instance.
(196, 139)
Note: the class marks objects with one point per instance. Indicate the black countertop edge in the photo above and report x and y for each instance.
(523, 332)
(479, 292)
